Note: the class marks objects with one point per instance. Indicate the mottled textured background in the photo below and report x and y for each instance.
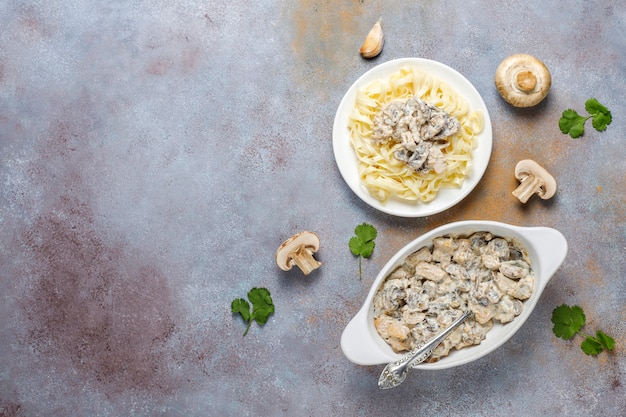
(154, 154)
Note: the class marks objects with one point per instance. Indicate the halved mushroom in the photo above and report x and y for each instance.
(298, 250)
(534, 179)
(523, 80)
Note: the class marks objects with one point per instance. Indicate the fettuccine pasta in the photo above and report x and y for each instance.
(383, 175)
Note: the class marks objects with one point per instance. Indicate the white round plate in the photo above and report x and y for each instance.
(347, 161)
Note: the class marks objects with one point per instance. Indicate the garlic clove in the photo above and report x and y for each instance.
(373, 44)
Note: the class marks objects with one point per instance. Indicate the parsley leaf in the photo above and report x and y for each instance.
(601, 120)
(591, 346)
(605, 340)
(569, 320)
(601, 115)
(262, 307)
(574, 124)
(242, 307)
(262, 304)
(593, 106)
(362, 244)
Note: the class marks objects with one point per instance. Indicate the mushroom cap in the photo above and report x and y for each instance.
(307, 239)
(523, 80)
(528, 166)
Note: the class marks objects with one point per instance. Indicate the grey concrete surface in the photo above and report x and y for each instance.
(154, 155)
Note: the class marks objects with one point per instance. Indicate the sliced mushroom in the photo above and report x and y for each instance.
(298, 250)
(373, 44)
(534, 179)
(523, 80)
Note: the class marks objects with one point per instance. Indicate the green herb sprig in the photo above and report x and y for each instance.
(574, 124)
(569, 320)
(362, 244)
(262, 307)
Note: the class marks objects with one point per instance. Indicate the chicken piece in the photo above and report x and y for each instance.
(457, 272)
(504, 284)
(430, 271)
(524, 288)
(514, 269)
(478, 331)
(422, 255)
(390, 327)
(437, 160)
(507, 309)
(381, 132)
(443, 248)
(483, 310)
(463, 251)
(412, 317)
(400, 272)
(446, 317)
(393, 331)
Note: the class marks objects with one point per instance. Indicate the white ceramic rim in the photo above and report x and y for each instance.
(347, 162)
(546, 248)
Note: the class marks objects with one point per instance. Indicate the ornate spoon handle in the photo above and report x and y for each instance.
(395, 372)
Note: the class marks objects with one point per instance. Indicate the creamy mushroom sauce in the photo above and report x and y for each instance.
(421, 128)
(486, 274)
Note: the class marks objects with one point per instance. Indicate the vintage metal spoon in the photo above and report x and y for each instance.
(395, 372)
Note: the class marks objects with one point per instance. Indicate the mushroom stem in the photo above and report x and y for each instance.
(529, 185)
(303, 259)
(526, 81)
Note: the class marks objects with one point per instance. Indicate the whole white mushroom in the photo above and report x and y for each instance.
(523, 80)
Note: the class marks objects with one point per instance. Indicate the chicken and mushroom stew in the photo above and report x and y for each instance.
(487, 274)
(421, 128)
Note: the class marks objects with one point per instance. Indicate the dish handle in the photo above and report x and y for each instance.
(551, 249)
(357, 342)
